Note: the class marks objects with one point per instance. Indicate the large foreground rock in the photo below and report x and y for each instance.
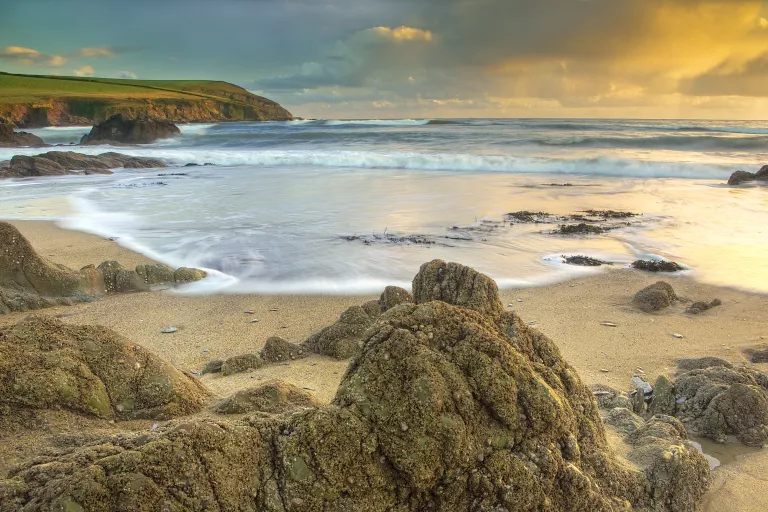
(343, 339)
(447, 407)
(142, 129)
(61, 163)
(46, 364)
(29, 281)
(9, 138)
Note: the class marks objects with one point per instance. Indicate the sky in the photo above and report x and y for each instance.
(703, 59)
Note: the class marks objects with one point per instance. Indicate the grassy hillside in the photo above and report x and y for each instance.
(31, 100)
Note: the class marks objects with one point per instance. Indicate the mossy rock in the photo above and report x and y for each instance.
(274, 397)
(278, 350)
(655, 297)
(241, 363)
(45, 364)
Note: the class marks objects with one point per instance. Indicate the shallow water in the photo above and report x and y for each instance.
(271, 214)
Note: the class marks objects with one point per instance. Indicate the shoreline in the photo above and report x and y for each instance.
(571, 313)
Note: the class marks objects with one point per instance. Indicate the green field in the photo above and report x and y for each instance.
(92, 97)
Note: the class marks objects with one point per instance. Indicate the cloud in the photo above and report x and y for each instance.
(402, 33)
(731, 78)
(21, 56)
(84, 71)
(102, 51)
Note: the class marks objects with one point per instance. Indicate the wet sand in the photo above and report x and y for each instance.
(571, 313)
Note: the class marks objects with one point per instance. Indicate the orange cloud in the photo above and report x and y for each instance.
(22, 56)
(102, 51)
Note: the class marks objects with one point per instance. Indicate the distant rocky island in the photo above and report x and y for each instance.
(32, 101)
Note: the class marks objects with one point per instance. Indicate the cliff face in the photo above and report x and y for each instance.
(73, 111)
(35, 101)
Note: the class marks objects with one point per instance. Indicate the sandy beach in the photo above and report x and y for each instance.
(572, 313)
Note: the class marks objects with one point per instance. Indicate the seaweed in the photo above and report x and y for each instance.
(657, 266)
(585, 261)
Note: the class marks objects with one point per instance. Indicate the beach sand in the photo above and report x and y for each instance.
(570, 313)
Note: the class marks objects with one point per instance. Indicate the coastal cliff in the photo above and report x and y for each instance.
(35, 101)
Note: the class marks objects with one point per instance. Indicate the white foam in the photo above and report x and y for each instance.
(376, 122)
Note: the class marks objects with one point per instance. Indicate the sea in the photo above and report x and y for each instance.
(350, 206)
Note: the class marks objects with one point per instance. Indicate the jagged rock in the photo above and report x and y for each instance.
(212, 366)
(241, 363)
(141, 130)
(663, 399)
(9, 138)
(188, 275)
(45, 364)
(119, 279)
(655, 297)
(274, 397)
(678, 475)
(762, 174)
(394, 296)
(28, 281)
(341, 340)
(700, 307)
(59, 163)
(724, 403)
(372, 308)
(156, 274)
(446, 408)
(457, 284)
(699, 363)
(277, 350)
(609, 398)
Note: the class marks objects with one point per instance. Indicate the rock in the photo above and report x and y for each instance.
(394, 296)
(9, 138)
(29, 281)
(274, 397)
(700, 307)
(277, 350)
(188, 275)
(700, 363)
(739, 177)
(581, 228)
(119, 279)
(59, 163)
(723, 403)
(757, 354)
(639, 400)
(141, 130)
(584, 261)
(762, 174)
(341, 340)
(156, 274)
(609, 398)
(92, 370)
(677, 473)
(456, 284)
(624, 420)
(657, 266)
(655, 297)
(484, 415)
(239, 364)
(212, 366)
(663, 399)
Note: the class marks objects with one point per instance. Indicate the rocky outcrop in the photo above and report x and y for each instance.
(393, 296)
(124, 130)
(740, 177)
(724, 403)
(9, 138)
(447, 407)
(274, 397)
(46, 364)
(655, 297)
(657, 266)
(61, 163)
(29, 281)
(343, 339)
(700, 307)
(757, 354)
(278, 350)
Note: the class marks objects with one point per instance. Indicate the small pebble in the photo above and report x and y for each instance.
(604, 370)
(608, 324)
(255, 320)
(250, 312)
(308, 388)
(273, 309)
(678, 336)
(169, 330)
(154, 427)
